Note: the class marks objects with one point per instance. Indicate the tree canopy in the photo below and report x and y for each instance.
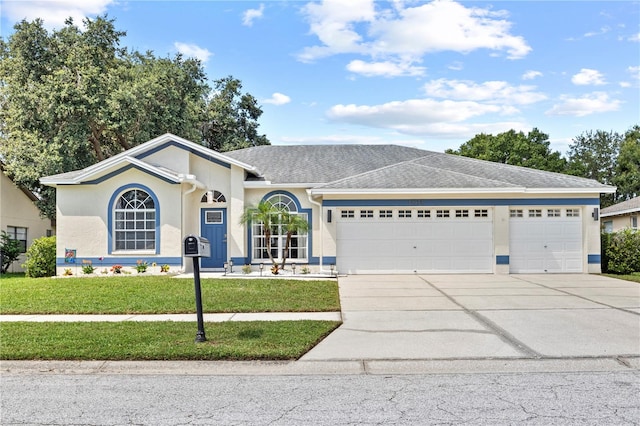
(73, 97)
(515, 148)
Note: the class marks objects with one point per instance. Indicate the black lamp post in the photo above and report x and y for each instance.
(332, 267)
(231, 266)
(261, 266)
(293, 267)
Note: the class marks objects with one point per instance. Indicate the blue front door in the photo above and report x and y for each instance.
(213, 225)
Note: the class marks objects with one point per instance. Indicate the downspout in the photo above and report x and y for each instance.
(189, 179)
(321, 228)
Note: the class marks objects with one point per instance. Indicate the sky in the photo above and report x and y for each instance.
(425, 74)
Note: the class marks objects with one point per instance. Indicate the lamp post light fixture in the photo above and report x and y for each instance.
(293, 267)
(231, 266)
(332, 267)
(261, 266)
(226, 266)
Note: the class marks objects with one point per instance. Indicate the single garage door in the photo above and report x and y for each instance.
(404, 240)
(545, 240)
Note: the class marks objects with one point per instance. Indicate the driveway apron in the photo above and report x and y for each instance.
(433, 317)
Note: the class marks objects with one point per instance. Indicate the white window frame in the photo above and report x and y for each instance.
(134, 222)
(299, 249)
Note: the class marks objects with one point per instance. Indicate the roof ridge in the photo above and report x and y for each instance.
(519, 168)
(469, 175)
(375, 170)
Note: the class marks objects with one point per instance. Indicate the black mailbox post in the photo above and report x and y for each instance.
(197, 247)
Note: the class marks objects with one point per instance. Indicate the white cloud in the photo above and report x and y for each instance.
(601, 31)
(530, 75)
(193, 51)
(588, 77)
(277, 99)
(333, 22)
(252, 14)
(456, 66)
(54, 12)
(635, 37)
(384, 69)
(593, 103)
(499, 92)
(413, 116)
(407, 33)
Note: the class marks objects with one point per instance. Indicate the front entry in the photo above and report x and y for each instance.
(213, 226)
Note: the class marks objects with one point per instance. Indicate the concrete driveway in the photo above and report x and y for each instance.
(445, 317)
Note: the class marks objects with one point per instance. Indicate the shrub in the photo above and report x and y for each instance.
(41, 258)
(9, 251)
(623, 252)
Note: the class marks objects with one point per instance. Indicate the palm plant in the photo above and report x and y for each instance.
(292, 224)
(269, 215)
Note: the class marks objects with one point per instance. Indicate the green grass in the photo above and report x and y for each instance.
(162, 295)
(635, 277)
(281, 340)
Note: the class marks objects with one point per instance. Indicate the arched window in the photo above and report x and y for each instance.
(216, 197)
(282, 201)
(298, 250)
(135, 221)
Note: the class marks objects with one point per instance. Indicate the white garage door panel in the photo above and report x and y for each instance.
(402, 245)
(545, 244)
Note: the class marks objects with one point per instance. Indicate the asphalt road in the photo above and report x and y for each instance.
(579, 398)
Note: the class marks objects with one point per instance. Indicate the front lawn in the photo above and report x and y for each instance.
(281, 340)
(163, 295)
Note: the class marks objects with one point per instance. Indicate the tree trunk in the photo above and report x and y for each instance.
(286, 249)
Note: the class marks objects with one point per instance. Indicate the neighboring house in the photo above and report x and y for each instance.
(622, 215)
(371, 209)
(20, 218)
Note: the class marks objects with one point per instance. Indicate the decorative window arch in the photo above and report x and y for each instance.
(299, 245)
(216, 197)
(283, 201)
(134, 219)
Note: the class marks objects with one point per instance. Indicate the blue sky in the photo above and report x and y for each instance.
(425, 74)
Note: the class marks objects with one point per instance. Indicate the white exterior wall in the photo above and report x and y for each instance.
(16, 209)
(82, 221)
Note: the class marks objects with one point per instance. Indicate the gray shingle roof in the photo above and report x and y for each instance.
(394, 167)
(629, 205)
(321, 163)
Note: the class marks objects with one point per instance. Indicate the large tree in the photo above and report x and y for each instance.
(72, 97)
(627, 171)
(594, 155)
(515, 148)
(232, 118)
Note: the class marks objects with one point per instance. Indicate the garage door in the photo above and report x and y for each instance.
(401, 240)
(545, 240)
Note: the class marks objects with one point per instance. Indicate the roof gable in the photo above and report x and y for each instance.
(135, 156)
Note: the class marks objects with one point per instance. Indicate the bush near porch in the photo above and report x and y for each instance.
(621, 252)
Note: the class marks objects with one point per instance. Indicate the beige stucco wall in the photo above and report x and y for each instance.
(82, 219)
(620, 222)
(16, 209)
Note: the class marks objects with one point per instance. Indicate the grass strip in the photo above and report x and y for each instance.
(635, 277)
(260, 340)
(163, 295)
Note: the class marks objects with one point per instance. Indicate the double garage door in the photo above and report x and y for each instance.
(456, 240)
(406, 240)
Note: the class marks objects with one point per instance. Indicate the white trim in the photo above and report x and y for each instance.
(517, 190)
